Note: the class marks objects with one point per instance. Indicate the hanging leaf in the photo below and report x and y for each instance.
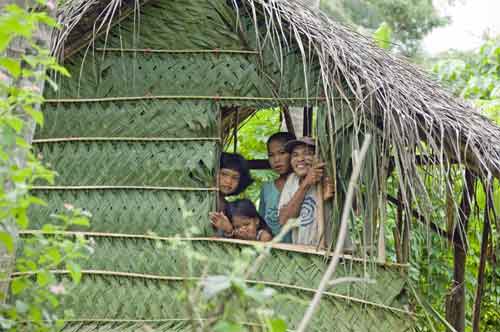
(383, 35)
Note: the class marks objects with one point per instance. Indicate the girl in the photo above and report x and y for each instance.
(246, 221)
(233, 178)
(279, 159)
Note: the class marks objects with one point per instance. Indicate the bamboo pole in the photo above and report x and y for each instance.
(476, 312)
(278, 246)
(455, 309)
(321, 215)
(121, 139)
(180, 97)
(288, 120)
(340, 241)
(121, 187)
(180, 51)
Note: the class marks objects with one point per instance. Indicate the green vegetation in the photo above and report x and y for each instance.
(475, 77)
(410, 21)
(35, 291)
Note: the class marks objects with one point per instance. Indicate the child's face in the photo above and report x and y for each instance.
(245, 228)
(302, 159)
(279, 159)
(228, 180)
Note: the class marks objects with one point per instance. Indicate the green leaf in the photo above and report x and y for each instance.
(7, 240)
(382, 36)
(18, 285)
(54, 255)
(225, 326)
(43, 278)
(22, 219)
(21, 307)
(75, 271)
(15, 123)
(276, 325)
(36, 201)
(81, 221)
(13, 66)
(36, 115)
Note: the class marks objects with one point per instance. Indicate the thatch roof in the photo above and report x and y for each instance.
(412, 106)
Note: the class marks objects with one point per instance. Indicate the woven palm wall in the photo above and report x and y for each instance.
(135, 137)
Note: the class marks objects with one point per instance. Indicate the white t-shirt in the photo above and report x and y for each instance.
(307, 233)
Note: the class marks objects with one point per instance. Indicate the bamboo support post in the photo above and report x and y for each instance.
(398, 230)
(476, 316)
(321, 216)
(455, 308)
(288, 120)
(340, 241)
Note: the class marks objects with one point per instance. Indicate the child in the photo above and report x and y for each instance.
(247, 223)
(279, 159)
(299, 197)
(233, 178)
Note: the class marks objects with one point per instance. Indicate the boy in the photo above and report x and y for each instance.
(299, 198)
(279, 160)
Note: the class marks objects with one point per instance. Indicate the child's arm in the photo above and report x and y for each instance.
(222, 223)
(328, 188)
(292, 208)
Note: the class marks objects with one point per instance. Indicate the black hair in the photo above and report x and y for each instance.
(282, 136)
(245, 208)
(239, 164)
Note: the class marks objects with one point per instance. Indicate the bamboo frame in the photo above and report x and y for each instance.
(121, 187)
(303, 249)
(120, 139)
(250, 281)
(180, 51)
(476, 310)
(184, 97)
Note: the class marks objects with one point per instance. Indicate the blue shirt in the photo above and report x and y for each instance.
(268, 209)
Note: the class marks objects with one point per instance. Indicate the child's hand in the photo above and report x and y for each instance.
(242, 233)
(328, 189)
(220, 221)
(314, 174)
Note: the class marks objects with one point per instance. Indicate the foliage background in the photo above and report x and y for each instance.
(474, 76)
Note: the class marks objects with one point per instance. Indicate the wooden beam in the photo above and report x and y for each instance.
(435, 228)
(308, 121)
(455, 304)
(476, 312)
(288, 120)
(259, 164)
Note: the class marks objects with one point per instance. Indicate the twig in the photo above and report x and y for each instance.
(340, 240)
(267, 249)
(350, 279)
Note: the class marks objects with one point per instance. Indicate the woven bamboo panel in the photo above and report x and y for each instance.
(130, 74)
(173, 326)
(185, 164)
(108, 297)
(179, 24)
(164, 212)
(293, 268)
(143, 118)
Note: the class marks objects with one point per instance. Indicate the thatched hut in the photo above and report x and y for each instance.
(136, 132)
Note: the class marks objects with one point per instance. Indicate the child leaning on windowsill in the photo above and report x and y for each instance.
(233, 178)
(244, 220)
